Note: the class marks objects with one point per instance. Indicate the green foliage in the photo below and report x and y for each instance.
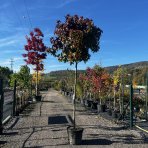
(13, 77)
(5, 73)
(137, 71)
(56, 85)
(23, 77)
(79, 91)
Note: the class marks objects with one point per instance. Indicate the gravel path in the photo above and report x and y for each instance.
(35, 127)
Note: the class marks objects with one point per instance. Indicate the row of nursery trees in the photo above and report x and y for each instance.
(99, 85)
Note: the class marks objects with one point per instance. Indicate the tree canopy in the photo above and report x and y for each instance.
(73, 39)
(36, 49)
(23, 77)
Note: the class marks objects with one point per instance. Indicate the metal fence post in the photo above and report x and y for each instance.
(146, 99)
(1, 105)
(14, 99)
(131, 106)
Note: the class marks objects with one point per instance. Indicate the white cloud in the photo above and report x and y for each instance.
(7, 43)
(17, 58)
(17, 62)
(56, 66)
(64, 3)
(12, 40)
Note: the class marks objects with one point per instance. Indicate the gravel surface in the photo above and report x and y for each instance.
(44, 124)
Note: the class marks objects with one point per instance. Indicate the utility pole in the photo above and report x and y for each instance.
(11, 63)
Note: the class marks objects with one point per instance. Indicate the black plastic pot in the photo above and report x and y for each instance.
(17, 113)
(89, 103)
(82, 102)
(109, 112)
(67, 93)
(38, 98)
(101, 108)
(114, 114)
(75, 135)
(94, 105)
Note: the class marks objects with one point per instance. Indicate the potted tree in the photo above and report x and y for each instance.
(71, 43)
(100, 81)
(36, 52)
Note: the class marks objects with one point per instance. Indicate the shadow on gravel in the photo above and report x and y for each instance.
(3, 142)
(96, 142)
(104, 127)
(14, 123)
(28, 109)
(57, 120)
(146, 140)
(10, 133)
(48, 101)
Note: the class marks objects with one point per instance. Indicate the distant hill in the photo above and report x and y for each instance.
(110, 69)
(136, 65)
(137, 70)
(64, 73)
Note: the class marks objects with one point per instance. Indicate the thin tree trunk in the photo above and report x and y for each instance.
(74, 97)
(37, 83)
(120, 97)
(114, 99)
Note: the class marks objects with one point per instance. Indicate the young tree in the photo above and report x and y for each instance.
(36, 52)
(119, 79)
(72, 42)
(23, 77)
(101, 81)
(97, 81)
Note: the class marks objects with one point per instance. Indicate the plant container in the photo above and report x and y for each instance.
(75, 135)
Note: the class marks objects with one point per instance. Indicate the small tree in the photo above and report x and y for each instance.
(97, 81)
(72, 42)
(23, 77)
(119, 79)
(101, 81)
(36, 52)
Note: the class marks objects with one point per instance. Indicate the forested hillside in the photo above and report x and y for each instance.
(137, 70)
(131, 66)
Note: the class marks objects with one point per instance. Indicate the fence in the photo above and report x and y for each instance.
(12, 102)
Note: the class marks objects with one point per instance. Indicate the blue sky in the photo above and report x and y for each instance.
(124, 24)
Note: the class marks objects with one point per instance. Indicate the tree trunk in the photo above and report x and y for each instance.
(122, 106)
(120, 101)
(74, 97)
(114, 99)
(36, 83)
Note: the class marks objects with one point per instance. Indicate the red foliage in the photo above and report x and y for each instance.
(36, 49)
(97, 80)
(74, 38)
